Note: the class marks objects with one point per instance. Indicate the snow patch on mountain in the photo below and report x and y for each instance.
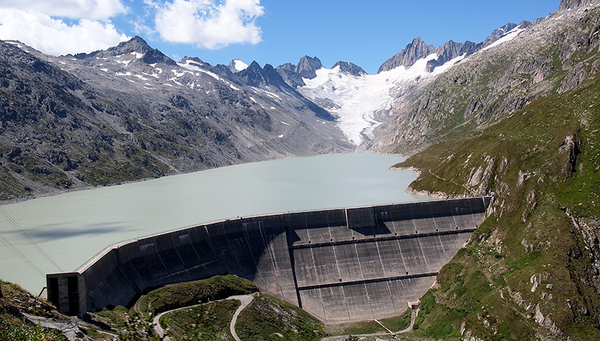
(507, 37)
(359, 101)
(239, 65)
(189, 65)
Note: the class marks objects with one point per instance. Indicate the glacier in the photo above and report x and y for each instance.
(360, 101)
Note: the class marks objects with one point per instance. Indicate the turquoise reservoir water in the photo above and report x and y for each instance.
(71, 228)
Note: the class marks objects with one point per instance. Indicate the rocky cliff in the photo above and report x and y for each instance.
(414, 51)
(574, 4)
(306, 68)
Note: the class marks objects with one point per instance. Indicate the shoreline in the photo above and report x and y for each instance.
(84, 187)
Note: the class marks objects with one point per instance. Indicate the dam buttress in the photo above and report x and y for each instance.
(341, 265)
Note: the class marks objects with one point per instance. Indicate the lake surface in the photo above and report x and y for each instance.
(71, 228)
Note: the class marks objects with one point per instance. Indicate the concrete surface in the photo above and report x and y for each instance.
(341, 265)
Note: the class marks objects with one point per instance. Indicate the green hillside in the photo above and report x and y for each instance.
(530, 270)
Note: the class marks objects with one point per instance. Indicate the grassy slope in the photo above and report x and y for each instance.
(395, 324)
(269, 318)
(136, 323)
(265, 318)
(540, 163)
(133, 323)
(14, 301)
(189, 293)
(209, 321)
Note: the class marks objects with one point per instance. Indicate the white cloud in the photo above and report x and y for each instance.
(75, 9)
(140, 27)
(210, 24)
(53, 36)
(73, 26)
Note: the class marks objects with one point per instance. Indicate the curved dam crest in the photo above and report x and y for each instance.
(341, 265)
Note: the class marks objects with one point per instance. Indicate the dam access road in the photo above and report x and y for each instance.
(341, 265)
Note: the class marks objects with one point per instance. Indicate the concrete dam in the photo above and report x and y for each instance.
(341, 265)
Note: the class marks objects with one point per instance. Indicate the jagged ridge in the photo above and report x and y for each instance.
(418, 49)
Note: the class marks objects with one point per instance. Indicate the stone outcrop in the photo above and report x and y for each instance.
(573, 4)
(418, 49)
(349, 68)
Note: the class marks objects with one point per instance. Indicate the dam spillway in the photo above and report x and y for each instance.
(341, 265)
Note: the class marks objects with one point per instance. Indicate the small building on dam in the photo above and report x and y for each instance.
(341, 265)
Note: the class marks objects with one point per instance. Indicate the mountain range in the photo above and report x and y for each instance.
(515, 117)
(130, 112)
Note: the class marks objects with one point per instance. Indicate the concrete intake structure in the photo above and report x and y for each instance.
(341, 265)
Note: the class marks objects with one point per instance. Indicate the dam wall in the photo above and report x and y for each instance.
(341, 265)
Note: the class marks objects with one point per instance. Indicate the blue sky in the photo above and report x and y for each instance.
(269, 31)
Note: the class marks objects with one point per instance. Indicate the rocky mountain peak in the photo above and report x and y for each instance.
(256, 76)
(417, 49)
(193, 60)
(451, 50)
(254, 65)
(573, 4)
(136, 46)
(307, 67)
(498, 33)
(350, 68)
(524, 24)
(293, 74)
(237, 65)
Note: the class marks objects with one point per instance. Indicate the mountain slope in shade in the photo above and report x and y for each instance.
(130, 112)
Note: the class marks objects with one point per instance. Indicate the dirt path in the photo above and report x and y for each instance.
(244, 299)
(413, 317)
(157, 327)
